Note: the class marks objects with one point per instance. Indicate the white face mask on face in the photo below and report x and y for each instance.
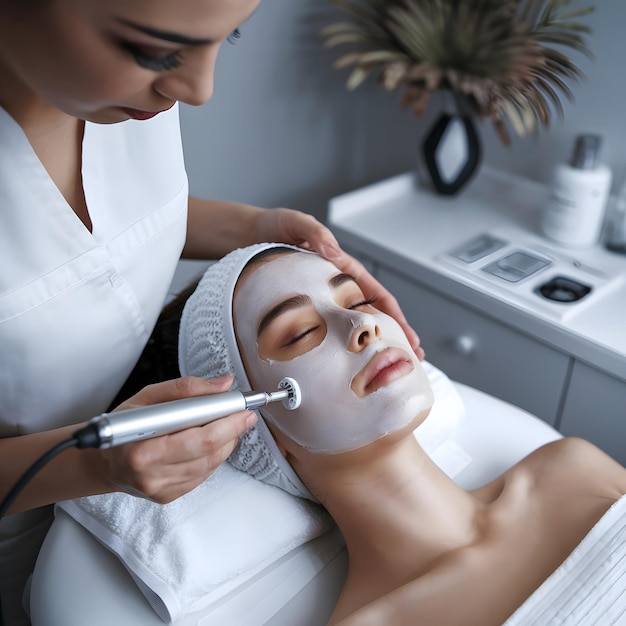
(359, 383)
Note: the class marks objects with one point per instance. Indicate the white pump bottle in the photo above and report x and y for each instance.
(580, 190)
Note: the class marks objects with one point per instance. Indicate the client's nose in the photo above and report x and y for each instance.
(363, 335)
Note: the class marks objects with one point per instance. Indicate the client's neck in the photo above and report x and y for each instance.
(397, 511)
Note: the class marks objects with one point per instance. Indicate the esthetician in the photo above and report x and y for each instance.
(94, 215)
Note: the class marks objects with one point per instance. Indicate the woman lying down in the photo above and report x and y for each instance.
(421, 549)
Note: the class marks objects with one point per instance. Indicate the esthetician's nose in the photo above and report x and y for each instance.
(366, 333)
(192, 82)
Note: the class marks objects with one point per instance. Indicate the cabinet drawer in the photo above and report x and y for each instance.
(481, 352)
(595, 409)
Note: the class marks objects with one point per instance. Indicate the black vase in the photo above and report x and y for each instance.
(452, 152)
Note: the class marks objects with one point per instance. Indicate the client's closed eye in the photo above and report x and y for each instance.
(347, 293)
(292, 333)
(293, 339)
(301, 333)
(362, 303)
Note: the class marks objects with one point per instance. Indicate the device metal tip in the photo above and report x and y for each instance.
(294, 397)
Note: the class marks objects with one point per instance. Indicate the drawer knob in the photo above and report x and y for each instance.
(465, 345)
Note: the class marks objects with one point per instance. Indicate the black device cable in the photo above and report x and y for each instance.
(85, 437)
(26, 477)
(44, 459)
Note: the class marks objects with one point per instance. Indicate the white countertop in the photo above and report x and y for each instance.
(413, 230)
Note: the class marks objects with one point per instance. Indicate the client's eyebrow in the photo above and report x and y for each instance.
(165, 35)
(339, 279)
(289, 304)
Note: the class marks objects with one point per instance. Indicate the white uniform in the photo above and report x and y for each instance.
(77, 308)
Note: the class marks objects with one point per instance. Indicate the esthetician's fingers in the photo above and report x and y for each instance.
(177, 389)
(165, 468)
(297, 228)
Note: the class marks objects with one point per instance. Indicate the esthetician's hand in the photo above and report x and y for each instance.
(302, 229)
(164, 468)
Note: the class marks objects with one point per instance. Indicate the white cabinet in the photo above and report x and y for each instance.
(595, 409)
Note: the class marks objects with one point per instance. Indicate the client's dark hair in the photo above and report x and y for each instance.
(159, 360)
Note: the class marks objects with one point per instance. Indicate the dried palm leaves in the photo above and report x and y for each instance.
(503, 58)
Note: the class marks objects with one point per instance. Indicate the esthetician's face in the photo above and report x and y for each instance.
(97, 59)
(296, 315)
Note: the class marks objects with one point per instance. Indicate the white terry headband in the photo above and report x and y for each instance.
(207, 347)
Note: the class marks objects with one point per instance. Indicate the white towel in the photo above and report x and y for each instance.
(187, 554)
(446, 413)
(589, 587)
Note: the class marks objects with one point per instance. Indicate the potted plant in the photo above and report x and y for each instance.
(502, 60)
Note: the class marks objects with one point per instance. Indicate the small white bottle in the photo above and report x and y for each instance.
(580, 190)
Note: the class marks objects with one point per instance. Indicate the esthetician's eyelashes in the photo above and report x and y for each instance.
(155, 63)
(234, 37)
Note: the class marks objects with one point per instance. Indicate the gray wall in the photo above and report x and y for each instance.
(281, 130)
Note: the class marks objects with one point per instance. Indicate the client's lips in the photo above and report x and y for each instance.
(383, 368)
(137, 114)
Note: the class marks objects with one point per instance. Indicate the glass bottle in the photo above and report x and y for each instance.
(616, 226)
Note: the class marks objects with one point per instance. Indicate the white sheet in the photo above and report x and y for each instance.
(589, 587)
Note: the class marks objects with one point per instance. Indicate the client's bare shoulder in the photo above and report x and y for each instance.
(576, 467)
(565, 487)
(563, 469)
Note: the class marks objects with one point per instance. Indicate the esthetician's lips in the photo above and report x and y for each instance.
(137, 114)
(383, 368)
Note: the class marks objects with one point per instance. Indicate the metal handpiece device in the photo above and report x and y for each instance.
(120, 427)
